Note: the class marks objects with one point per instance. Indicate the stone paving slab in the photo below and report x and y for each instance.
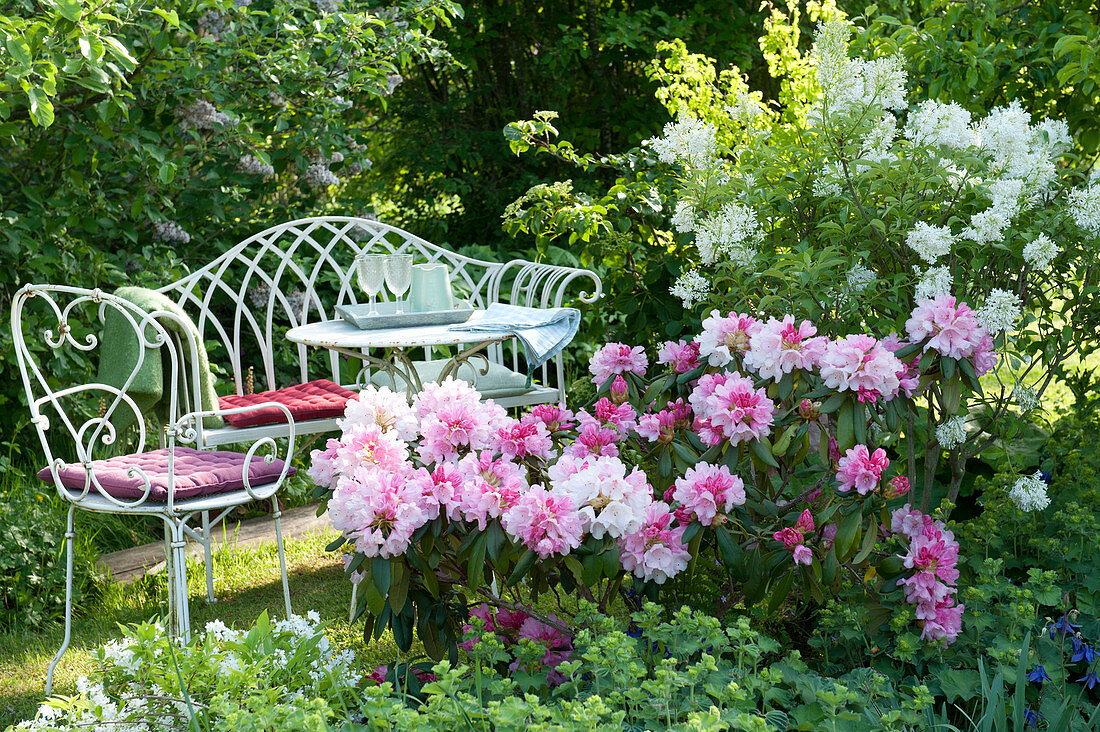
(130, 564)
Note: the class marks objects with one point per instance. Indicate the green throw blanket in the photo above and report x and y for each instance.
(119, 346)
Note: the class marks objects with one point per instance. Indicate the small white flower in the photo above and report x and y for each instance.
(930, 242)
(1025, 397)
(683, 220)
(689, 141)
(935, 123)
(1000, 312)
(730, 233)
(1030, 493)
(1084, 208)
(1040, 252)
(691, 287)
(859, 277)
(934, 281)
(951, 433)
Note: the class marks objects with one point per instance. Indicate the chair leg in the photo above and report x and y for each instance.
(208, 542)
(276, 514)
(70, 534)
(179, 614)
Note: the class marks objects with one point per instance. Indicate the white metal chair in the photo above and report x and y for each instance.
(176, 482)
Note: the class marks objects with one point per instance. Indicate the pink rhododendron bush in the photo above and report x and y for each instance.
(762, 443)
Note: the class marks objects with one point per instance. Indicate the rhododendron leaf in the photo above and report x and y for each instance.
(375, 602)
(833, 403)
(906, 351)
(780, 592)
(611, 561)
(859, 423)
(786, 385)
(690, 532)
(845, 427)
(947, 367)
(784, 442)
(812, 582)
(762, 449)
(710, 454)
(664, 465)
(729, 550)
(339, 542)
(869, 537)
(399, 585)
(893, 419)
(380, 575)
(687, 376)
(495, 540)
(522, 566)
(890, 566)
(475, 566)
(403, 631)
(429, 636)
(926, 360)
(356, 563)
(591, 567)
(846, 534)
(686, 453)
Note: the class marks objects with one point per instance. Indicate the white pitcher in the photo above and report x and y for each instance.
(431, 288)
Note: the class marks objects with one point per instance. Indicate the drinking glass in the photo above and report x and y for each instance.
(372, 272)
(398, 276)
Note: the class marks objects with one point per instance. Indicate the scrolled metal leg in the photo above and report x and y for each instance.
(276, 513)
(70, 535)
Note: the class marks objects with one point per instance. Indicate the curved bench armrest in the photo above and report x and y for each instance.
(545, 285)
(186, 430)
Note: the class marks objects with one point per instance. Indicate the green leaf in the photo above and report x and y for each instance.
(522, 566)
(833, 403)
(475, 567)
(70, 9)
(846, 534)
(780, 592)
(380, 574)
(869, 537)
(762, 449)
(41, 108)
(729, 550)
(170, 16)
(19, 50)
(166, 173)
(399, 585)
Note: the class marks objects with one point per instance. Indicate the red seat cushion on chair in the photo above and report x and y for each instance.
(318, 399)
(198, 473)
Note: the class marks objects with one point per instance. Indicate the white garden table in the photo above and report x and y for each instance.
(344, 337)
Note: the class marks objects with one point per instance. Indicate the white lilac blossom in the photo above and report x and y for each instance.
(1030, 493)
(1025, 397)
(170, 231)
(1000, 311)
(1084, 207)
(933, 281)
(1018, 150)
(1006, 201)
(683, 220)
(691, 287)
(876, 143)
(730, 233)
(745, 108)
(252, 165)
(319, 176)
(392, 82)
(828, 181)
(930, 242)
(951, 433)
(859, 277)
(847, 82)
(689, 141)
(202, 115)
(1040, 252)
(936, 123)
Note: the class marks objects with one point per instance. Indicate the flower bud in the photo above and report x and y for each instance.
(619, 392)
(898, 487)
(808, 410)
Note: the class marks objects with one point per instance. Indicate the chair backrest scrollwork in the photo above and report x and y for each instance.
(76, 421)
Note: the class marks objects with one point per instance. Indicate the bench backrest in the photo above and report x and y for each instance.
(298, 272)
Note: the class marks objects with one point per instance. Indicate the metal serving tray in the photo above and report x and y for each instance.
(358, 316)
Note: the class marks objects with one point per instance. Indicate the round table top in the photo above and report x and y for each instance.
(342, 334)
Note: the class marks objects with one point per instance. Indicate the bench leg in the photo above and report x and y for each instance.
(179, 614)
(70, 534)
(208, 542)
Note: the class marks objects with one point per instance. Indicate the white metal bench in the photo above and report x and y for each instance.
(298, 272)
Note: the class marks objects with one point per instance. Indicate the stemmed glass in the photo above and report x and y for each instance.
(372, 272)
(398, 276)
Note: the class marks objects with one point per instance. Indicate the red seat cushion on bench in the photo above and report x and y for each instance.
(318, 399)
(198, 473)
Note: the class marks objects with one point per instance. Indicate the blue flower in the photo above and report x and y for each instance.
(1038, 674)
(1063, 626)
(1090, 680)
(1032, 717)
(1082, 652)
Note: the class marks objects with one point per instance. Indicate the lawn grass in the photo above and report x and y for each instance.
(246, 582)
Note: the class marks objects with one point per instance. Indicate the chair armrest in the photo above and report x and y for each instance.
(185, 430)
(545, 285)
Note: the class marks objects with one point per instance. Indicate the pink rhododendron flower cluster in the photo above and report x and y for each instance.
(381, 510)
(861, 364)
(656, 551)
(681, 355)
(933, 554)
(731, 407)
(861, 469)
(724, 336)
(621, 417)
(707, 490)
(950, 329)
(793, 538)
(555, 418)
(520, 439)
(595, 440)
(617, 358)
(388, 409)
(659, 427)
(779, 347)
(489, 486)
(546, 523)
